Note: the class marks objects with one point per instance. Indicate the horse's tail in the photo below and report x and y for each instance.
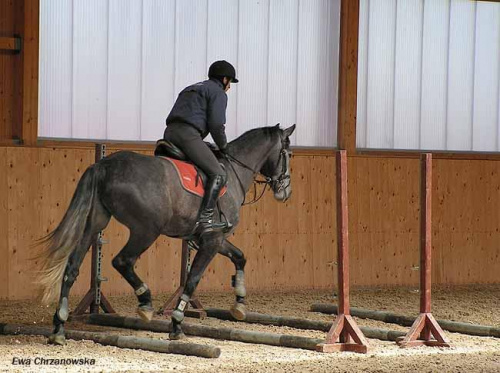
(60, 243)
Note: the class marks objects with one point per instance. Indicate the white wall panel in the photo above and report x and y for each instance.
(429, 75)
(434, 74)
(407, 74)
(124, 69)
(253, 64)
(486, 77)
(381, 63)
(190, 42)
(315, 87)
(327, 127)
(461, 74)
(90, 35)
(222, 44)
(282, 72)
(157, 90)
(363, 50)
(56, 67)
(112, 69)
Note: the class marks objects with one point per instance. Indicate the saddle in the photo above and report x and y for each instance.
(192, 178)
(165, 148)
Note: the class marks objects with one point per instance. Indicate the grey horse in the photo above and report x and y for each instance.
(144, 194)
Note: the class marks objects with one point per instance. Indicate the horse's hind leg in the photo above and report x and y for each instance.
(208, 248)
(139, 241)
(99, 220)
(238, 311)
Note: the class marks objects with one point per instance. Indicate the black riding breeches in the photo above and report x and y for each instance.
(189, 140)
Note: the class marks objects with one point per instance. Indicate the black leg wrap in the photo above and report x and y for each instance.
(240, 299)
(145, 298)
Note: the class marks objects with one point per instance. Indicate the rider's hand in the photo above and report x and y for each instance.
(211, 145)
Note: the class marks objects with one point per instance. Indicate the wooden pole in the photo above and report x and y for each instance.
(299, 323)
(344, 327)
(348, 75)
(147, 344)
(163, 326)
(389, 317)
(197, 310)
(425, 326)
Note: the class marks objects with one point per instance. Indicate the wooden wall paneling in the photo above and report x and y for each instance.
(296, 215)
(23, 180)
(283, 249)
(324, 259)
(4, 224)
(61, 171)
(359, 208)
(257, 251)
(295, 220)
(297, 261)
(164, 265)
(324, 222)
(323, 195)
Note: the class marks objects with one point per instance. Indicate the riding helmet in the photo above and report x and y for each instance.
(220, 69)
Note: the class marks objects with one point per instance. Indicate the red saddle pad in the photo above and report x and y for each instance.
(190, 180)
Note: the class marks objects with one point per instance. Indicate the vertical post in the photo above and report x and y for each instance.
(425, 326)
(344, 327)
(95, 280)
(348, 75)
(343, 239)
(426, 235)
(26, 25)
(196, 310)
(95, 299)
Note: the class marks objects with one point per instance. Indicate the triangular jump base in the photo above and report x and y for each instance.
(339, 337)
(422, 332)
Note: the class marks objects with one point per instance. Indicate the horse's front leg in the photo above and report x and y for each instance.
(238, 310)
(208, 248)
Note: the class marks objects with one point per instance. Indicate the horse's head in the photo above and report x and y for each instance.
(277, 165)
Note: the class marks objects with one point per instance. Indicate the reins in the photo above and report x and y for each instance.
(268, 180)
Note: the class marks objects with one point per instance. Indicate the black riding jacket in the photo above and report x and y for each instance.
(203, 105)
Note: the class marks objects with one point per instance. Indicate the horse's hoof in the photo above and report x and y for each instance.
(176, 336)
(238, 311)
(145, 313)
(57, 339)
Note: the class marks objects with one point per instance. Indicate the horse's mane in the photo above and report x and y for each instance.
(257, 133)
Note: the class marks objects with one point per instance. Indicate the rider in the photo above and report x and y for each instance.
(199, 110)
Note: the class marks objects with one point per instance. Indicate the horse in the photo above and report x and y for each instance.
(144, 193)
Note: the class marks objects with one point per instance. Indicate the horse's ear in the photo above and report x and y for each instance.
(287, 132)
(277, 126)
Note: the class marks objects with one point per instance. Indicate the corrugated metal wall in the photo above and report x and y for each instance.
(111, 69)
(429, 75)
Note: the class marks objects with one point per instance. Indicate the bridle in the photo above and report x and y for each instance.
(277, 184)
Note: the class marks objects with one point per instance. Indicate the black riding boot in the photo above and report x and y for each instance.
(205, 222)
